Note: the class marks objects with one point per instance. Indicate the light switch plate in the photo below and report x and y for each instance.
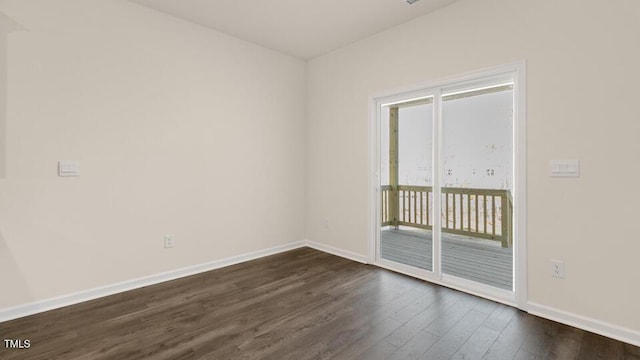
(564, 168)
(67, 168)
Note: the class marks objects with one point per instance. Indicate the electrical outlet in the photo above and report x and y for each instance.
(168, 241)
(326, 223)
(557, 269)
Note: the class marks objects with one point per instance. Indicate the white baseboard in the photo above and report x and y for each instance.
(98, 292)
(336, 251)
(595, 326)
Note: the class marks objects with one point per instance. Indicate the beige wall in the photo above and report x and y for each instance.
(582, 72)
(3, 99)
(179, 130)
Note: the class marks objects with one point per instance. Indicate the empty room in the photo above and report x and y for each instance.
(364, 179)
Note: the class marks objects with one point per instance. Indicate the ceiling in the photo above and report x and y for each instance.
(302, 28)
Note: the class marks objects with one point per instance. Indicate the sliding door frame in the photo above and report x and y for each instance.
(518, 297)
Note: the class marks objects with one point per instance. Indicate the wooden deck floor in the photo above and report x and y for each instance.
(480, 260)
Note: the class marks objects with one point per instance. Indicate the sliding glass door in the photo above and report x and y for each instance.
(446, 190)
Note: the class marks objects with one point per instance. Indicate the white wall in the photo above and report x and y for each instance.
(582, 72)
(179, 130)
(3, 100)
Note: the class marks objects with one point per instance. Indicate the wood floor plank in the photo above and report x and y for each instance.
(500, 318)
(566, 344)
(421, 320)
(540, 337)
(415, 347)
(423, 298)
(453, 339)
(368, 336)
(477, 345)
(449, 317)
(631, 352)
(508, 343)
(302, 304)
(382, 350)
(596, 347)
(525, 355)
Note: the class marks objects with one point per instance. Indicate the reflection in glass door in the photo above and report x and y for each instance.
(476, 185)
(406, 154)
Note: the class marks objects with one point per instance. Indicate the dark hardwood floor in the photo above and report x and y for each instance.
(303, 304)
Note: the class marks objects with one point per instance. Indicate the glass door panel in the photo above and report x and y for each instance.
(406, 184)
(476, 185)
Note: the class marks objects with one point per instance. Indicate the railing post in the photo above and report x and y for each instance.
(394, 199)
(505, 213)
(510, 214)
